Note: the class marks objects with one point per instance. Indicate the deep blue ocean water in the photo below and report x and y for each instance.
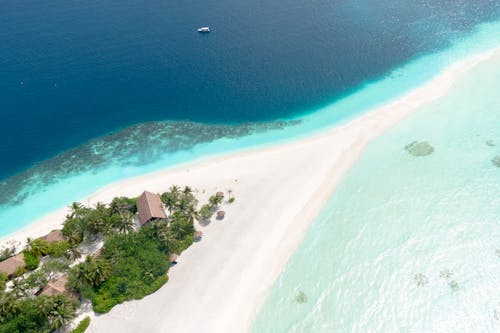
(74, 70)
(95, 92)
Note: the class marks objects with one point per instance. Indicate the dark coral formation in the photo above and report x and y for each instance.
(496, 160)
(420, 279)
(417, 148)
(135, 145)
(301, 297)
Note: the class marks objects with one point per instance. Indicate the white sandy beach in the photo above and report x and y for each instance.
(220, 282)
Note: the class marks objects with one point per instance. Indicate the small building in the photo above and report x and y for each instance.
(173, 258)
(221, 214)
(197, 235)
(10, 266)
(56, 287)
(220, 194)
(150, 207)
(54, 236)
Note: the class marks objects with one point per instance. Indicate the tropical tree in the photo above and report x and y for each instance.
(175, 190)
(169, 200)
(9, 306)
(76, 210)
(205, 212)
(124, 223)
(121, 204)
(215, 201)
(60, 310)
(37, 247)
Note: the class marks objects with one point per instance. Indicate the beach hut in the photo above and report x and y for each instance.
(54, 236)
(10, 266)
(197, 235)
(56, 287)
(221, 214)
(150, 207)
(220, 195)
(173, 258)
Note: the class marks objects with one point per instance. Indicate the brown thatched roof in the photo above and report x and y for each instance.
(11, 265)
(54, 236)
(220, 194)
(198, 234)
(149, 206)
(221, 214)
(173, 257)
(55, 287)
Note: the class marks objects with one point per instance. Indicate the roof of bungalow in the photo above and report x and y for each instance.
(55, 287)
(54, 236)
(11, 265)
(149, 206)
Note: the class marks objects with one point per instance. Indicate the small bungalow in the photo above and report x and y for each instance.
(150, 207)
(54, 236)
(220, 195)
(10, 266)
(173, 258)
(221, 214)
(197, 235)
(56, 287)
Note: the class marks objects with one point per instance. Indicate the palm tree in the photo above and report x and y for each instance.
(76, 209)
(175, 190)
(61, 311)
(8, 306)
(125, 223)
(215, 201)
(169, 200)
(96, 271)
(187, 190)
(37, 247)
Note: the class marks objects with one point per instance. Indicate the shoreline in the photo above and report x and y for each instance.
(279, 190)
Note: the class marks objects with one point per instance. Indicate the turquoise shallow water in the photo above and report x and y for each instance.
(407, 243)
(147, 147)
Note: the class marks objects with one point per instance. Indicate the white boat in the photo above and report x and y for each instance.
(204, 29)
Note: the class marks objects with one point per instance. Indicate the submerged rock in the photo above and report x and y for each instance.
(496, 160)
(490, 143)
(445, 274)
(497, 252)
(453, 285)
(420, 279)
(301, 297)
(422, 148)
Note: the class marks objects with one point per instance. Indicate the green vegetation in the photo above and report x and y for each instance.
(3, 281)
(130, 264)
(7, 252)
(31, 261)
(82, 326)
(40, 314)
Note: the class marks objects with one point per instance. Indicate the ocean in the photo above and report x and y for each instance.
(410, 240)
(95, 92)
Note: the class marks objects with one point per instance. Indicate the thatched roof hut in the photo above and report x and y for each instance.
(150, 207)
(197, 235)
(220, 194)
(11, 265)
(173, 258)
(221, 214)
(55, 287)
(54, 236)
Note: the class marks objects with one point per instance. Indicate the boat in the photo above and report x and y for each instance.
(204, 29)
